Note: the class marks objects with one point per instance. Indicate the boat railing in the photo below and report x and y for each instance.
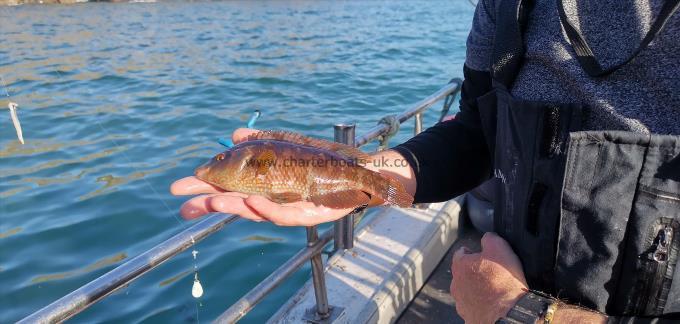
(342, 234)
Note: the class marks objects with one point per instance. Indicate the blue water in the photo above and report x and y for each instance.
(119, 100)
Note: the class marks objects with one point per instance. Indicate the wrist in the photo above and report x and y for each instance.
(531, 307)
(509, 301)
(567, 314)
(554, 311)
(506, 303)
(391, 163)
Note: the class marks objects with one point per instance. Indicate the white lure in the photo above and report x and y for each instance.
(15, 120)
(197, 289)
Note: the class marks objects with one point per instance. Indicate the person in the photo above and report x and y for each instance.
(573, 106)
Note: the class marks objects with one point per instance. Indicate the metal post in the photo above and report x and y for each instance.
(244, 305)
(419, 124)
(344, 227)
(323, 313)
(318, 276)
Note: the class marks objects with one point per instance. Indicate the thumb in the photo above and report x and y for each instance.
(241, 134)
(498, 250)
(494, 244)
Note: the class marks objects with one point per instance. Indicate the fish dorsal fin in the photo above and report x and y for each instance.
(342, 149)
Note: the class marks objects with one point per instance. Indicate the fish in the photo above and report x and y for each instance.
(288, 167)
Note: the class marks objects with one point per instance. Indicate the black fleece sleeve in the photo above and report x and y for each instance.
(452, 157)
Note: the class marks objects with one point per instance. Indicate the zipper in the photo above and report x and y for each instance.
(659, 252)
(661, 255)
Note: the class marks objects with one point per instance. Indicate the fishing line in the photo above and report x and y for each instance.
(13, 114)
(4, 86)
(197, 288)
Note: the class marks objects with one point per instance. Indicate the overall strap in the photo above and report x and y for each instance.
(508, 50)
(585, 55)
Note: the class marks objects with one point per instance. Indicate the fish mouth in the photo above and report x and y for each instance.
(202, 172)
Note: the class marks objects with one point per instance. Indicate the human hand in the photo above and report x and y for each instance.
(257, 208)
(486, 285)
(449, 117)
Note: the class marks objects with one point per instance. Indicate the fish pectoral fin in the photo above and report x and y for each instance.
(265, 161)
(285, 197)
(341, 199)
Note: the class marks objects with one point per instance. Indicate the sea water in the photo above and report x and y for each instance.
(119, 100)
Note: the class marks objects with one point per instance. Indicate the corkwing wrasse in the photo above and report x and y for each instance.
(288, 167)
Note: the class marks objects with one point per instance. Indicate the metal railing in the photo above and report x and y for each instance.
(343, 235)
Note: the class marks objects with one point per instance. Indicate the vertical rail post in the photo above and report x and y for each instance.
(318, 278)
(344, 227)
(418, 124)
(417, 129)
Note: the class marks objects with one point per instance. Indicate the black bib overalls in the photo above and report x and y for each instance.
(593, 215)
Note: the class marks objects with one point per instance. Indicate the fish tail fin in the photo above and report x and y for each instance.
(395, 193)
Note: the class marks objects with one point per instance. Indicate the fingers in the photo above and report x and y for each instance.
(489, 242)
(192, 186)
(276, 213)
(256, 208)
(452, 291)
(459, 261)
(294, 214)
(230, 203)
(495, 246)
(214, 198)
(236, 205)
(241, 134)
(498, 250)
(460, 253)
(460, 258)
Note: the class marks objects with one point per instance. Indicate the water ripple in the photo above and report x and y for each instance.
(119, 100)
(92, 267)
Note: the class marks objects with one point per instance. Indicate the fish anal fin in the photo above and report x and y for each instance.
(347, 151)
(285, 197)
(341, 199)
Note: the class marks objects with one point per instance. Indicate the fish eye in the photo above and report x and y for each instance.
(219, 157)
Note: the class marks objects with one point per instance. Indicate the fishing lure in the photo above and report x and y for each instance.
(251, 123)
(15, 120)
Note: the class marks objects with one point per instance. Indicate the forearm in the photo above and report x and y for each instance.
(447, 159)
(452, 157)
(567, 314)
(393, 164)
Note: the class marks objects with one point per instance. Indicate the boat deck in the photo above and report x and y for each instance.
(433, 303)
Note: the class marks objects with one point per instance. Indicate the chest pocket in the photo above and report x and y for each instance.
(619, 229)
(595, 221)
